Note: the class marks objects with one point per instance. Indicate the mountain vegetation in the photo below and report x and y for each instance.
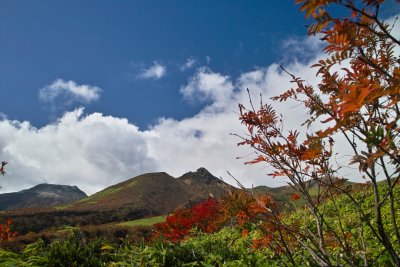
(147, 195)
(326, 221)
(233, 240)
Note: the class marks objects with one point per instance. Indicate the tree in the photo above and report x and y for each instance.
(357, 98)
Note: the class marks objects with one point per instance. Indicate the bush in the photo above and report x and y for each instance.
(74, 251)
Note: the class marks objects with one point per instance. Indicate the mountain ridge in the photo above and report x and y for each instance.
(41, 195)
(150, 194)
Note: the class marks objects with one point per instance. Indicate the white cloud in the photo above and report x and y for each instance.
(190, 62)
(154, 72)
(69, 91)
(92, 151)
(302, 49)
(205, 140)
(206, 85)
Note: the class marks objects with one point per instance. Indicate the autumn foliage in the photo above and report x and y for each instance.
(205, 216)
(356, 101)
(6, 231)
(238, 208)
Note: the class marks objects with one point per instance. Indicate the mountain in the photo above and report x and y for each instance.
(155, 193)
(41, 195)
(142, 196)
(203, 181)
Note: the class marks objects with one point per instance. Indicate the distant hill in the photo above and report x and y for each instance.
(281, 194)
(40, 196)
(142, 196)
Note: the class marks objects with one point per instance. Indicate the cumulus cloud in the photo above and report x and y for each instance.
(69, 91)
(206, 85)
(156, 71)
(206, 140)
(92, 151)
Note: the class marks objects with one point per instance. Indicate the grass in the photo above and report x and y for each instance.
(144, 222)
(92, 199)
(62, 207)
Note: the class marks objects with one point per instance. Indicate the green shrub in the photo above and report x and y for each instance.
(74, 251)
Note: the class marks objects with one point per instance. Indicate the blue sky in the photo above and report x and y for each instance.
(95, 92)
(107, 44)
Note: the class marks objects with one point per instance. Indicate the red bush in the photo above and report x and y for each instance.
(206, 216)
(6, 232)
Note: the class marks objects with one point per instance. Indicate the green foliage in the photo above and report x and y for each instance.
(342, 218)
(231, 246)
(74, 251)
(144, 222)
(224, 248)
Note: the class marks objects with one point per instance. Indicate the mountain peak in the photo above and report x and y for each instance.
(201, 176)
(203, 171)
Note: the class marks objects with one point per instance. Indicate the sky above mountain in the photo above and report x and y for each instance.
(95, 92)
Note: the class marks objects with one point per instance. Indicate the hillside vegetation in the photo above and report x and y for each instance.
(231, 245)
(147, 195)
(326, 221)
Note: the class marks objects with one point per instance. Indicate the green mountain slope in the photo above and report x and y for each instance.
(146, 195)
